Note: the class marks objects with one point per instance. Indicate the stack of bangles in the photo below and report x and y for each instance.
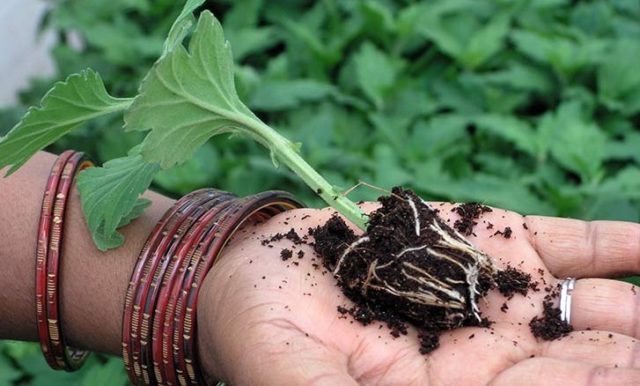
(159, 321)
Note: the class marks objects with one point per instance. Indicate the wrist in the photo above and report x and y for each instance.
(94, 283)
(212, 313)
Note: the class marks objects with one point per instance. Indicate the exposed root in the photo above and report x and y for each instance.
(347, 251)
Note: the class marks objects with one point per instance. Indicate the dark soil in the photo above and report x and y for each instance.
(549, 326)
(411, 268)
(291, 236)
(468, 213)
(511, 281)
(506, 233)
(406, 268)
(286, 254)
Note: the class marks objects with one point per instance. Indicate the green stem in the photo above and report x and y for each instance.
(286, 152)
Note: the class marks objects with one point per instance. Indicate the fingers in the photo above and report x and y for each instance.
(578, 248)
(548, 371)
(609, 305)
(491, 351)
(600, 348)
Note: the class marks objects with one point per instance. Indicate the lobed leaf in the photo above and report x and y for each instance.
(188, 97)
(619, 79)
(109, 196)
(69, 104)
(375, 72)
(181, 25)
(575, 143)
(514, 130)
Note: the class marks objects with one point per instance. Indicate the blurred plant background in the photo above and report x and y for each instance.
(529, 105)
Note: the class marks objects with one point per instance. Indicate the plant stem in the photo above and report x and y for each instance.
(286, 152)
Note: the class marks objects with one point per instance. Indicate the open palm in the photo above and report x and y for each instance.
(265, 321)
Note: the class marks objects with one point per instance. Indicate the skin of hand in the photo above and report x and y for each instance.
(265, 321)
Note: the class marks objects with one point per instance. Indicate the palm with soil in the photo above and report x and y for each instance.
(281, 324)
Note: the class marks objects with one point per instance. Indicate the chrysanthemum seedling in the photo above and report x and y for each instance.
(409, 262)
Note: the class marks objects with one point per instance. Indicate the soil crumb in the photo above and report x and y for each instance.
(291, 236)
(286, 254)
(549, 326)
(506, 233)
(511, 281)
(468, 212)
(429, 341)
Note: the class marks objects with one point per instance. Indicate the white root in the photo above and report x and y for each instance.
(438, 285)
(413, 249)
(464, 247)
(347, 251)
(416, 218)
(437, 292)
(472, 280)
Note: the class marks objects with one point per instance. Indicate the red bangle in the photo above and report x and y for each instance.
(162, 360)
(151, 303)
(164, 285)
(193, 251)
(133, 367)
(228, 222)
(50, 232)
(141, 281)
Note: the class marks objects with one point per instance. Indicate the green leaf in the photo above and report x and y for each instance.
(137, 210)
(441, 136)
(462, 30)
(624, 184)
(108, 374)
(389, 172)
(69, 104)
(8, 373)
(375, 72)
(510, 128)
(565, 55)
(110, 193)
(523, 76)
(199, 171)
(188, 97)
(575, 142)
(618, 79)
(288, 94)
(486, 42)
(490, 190)
(247, 41)
(181, 25)
(627, 148)
(615, 209)
(122, 41)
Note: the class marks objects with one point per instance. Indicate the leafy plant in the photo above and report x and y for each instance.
(187, 97)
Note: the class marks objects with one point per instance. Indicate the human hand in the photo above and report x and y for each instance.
(266, 321)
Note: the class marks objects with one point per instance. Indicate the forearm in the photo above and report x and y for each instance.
(93, 284)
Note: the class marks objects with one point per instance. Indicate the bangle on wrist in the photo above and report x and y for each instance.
(159, 319)
(48, 254)
(159, 327)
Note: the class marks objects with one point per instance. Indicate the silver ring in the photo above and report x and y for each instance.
(566, 289)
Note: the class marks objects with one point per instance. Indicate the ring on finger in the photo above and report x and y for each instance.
(566, 289)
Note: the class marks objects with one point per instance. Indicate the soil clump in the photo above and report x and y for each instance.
(469, 212)
(408, 267)
(549, 326)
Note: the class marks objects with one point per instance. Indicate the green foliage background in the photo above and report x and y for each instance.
(530, 105)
